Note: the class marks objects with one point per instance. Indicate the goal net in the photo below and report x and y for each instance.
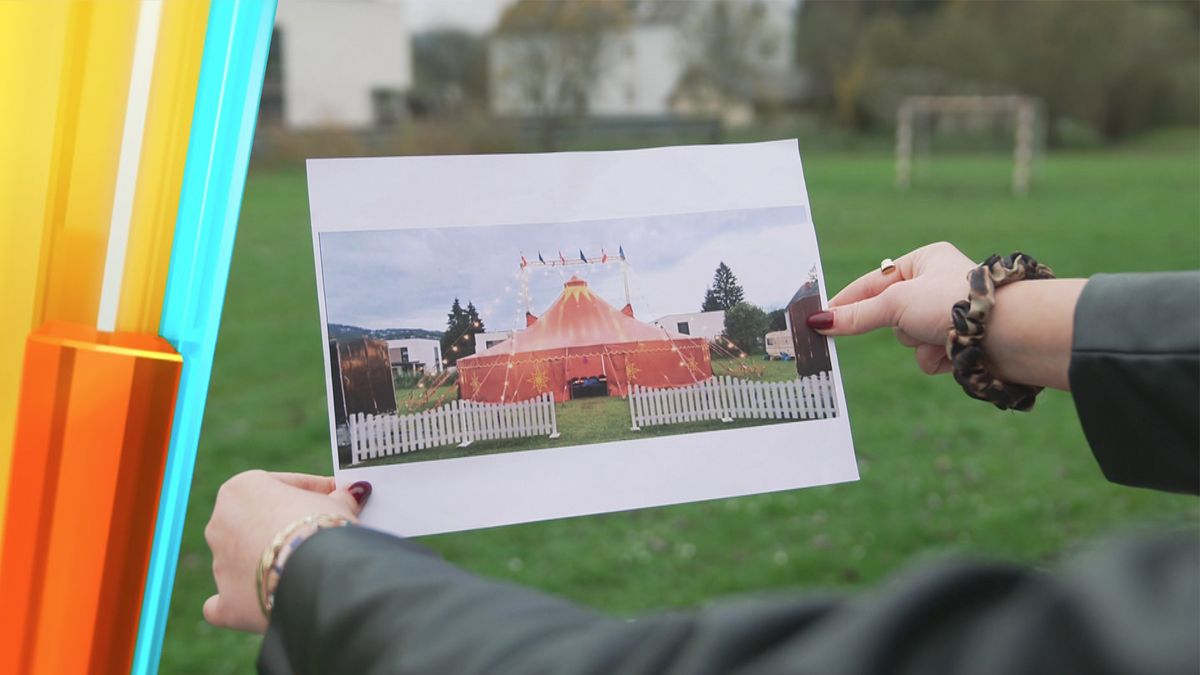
(1017, 118)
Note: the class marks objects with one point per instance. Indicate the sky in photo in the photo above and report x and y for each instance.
(408, 278)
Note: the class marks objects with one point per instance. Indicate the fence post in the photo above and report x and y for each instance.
(714, 406)
(553, 415)
(372, 436)
(368, 437)
(830, 399)
(468, 428)
(724, 393)
(633, 401)
(740, 410)
(811, 384)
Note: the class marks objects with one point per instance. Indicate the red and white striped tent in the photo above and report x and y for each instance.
(579, 337)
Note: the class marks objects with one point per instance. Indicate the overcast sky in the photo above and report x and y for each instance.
(408, 278)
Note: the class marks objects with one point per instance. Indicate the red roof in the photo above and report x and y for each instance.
(579, 318)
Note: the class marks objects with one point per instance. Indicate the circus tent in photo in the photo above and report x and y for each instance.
(580, 343)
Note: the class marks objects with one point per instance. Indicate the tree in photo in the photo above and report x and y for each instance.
(745, 326)
(725, 291)
(461, 327)
(777, 319)
(474, 326)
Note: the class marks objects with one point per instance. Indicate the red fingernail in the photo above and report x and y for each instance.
(360, 491)
(820, 321)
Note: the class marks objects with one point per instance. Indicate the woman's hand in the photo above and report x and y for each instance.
(1029, 331)
(251, 508)
(914, 300)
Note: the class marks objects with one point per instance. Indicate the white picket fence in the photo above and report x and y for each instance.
(457, 422)
(728, 398)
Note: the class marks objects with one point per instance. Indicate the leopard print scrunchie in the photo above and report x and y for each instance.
(964, 344)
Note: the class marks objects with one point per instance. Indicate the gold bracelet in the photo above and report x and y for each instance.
(275, 556)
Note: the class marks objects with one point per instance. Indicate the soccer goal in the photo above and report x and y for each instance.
(919, 118)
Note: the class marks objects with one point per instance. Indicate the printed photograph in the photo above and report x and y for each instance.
(457, 342)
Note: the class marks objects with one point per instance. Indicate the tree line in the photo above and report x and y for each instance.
(1119, 67)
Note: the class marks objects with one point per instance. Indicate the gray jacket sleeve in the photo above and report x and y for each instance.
(1135, 377)
(357, 601)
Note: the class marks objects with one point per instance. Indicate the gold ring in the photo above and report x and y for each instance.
(887, 265)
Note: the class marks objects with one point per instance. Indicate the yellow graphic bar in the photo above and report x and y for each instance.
(32, 44)
(64, 78)
(164, 149)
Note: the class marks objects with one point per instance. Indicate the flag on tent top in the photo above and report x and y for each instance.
(561, 258)
(524, 262)
(603, 256)
(582, 256)
(540, 258)
(621, 250)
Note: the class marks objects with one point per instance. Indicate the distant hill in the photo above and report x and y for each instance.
(340, 331)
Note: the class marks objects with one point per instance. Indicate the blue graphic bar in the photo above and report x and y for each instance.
(230, 85)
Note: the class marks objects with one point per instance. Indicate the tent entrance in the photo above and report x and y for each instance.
(587, 387)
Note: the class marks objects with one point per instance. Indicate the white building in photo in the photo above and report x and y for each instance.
(708, 325)
(415, 355)
(337, 63)
(491, 339)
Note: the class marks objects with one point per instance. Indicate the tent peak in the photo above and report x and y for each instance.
(575, 281)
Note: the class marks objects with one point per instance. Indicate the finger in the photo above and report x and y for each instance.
(932, 359)
(304, 481)
(212, 611)
(864, 316)
(354, 496)
(906, 339)
(875, 282)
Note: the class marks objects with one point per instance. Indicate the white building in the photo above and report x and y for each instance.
(488, 340)
(708, 325)
(338, 63)
(415, 355)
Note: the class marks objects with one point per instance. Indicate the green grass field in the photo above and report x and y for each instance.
(940, 472)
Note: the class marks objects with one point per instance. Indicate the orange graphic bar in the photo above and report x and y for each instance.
(93, 426)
